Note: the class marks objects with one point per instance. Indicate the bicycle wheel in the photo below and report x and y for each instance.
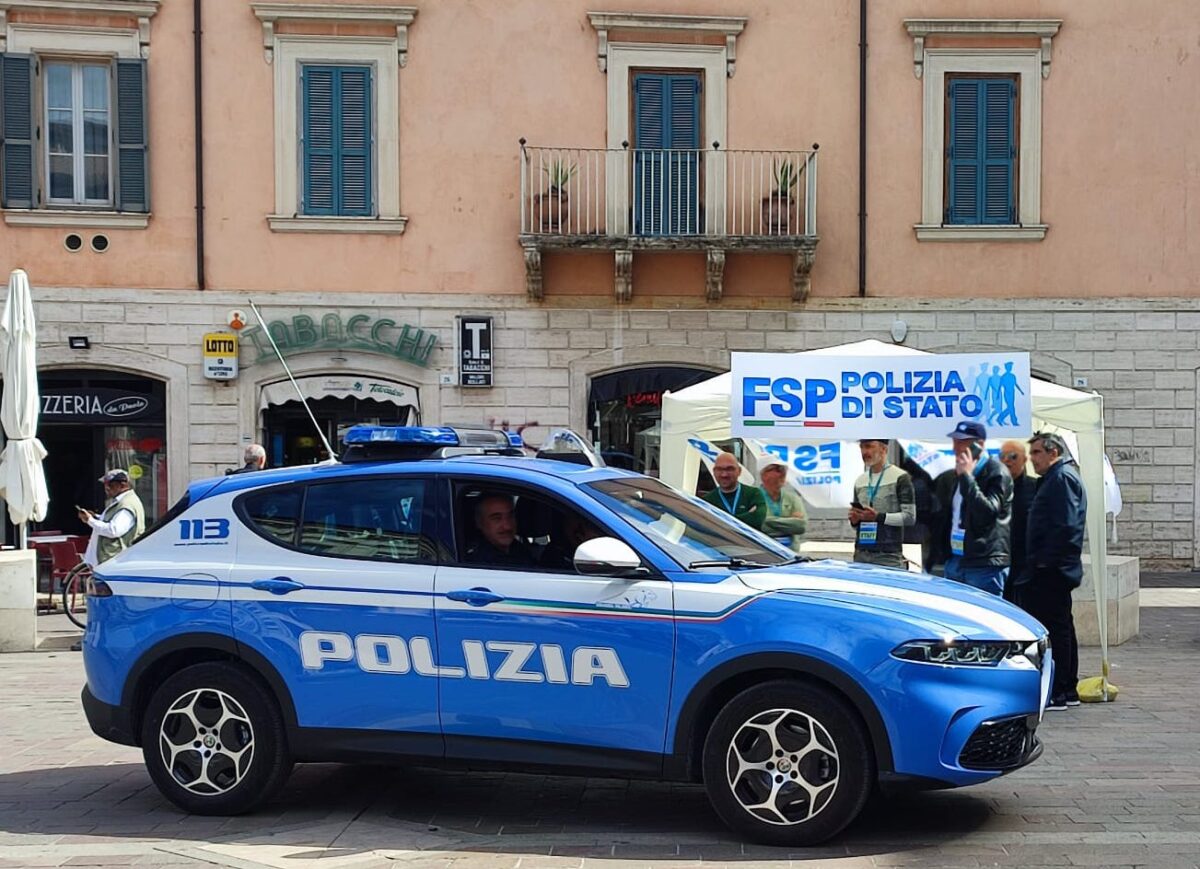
(74, 594)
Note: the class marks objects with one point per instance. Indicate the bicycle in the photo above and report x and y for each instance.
(75, 588)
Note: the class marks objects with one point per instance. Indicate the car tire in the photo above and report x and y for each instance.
(788, 763)
(213, 740)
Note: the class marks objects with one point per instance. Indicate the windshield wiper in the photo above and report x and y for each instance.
(728, 562)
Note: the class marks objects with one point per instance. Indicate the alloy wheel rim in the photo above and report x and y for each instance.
(206, 741)
(782, 767)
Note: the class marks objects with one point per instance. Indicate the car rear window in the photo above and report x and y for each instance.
(379, 520)
(274, 513)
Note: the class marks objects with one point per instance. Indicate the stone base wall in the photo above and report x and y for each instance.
(1141, 355)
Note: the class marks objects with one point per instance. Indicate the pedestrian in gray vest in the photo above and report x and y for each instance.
(120, 523)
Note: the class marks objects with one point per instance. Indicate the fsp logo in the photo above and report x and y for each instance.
(520, 662)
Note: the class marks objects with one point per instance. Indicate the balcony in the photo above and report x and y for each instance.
(626, 200)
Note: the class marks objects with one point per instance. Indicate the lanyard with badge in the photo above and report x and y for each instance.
(776, 508)
(958, 534)
(731, 508)
(868, 532)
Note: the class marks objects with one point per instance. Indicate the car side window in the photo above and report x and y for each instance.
(514, 529)
(274, 513)
(379, 520)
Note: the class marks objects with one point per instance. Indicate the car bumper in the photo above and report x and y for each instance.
(108, 722)
(954, 726)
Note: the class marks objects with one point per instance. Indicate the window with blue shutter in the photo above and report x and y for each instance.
(90, 137)
(336, 141)
(981, 151)
(666, 164)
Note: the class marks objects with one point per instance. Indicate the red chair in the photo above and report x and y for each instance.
(80, 542)
(63, 557)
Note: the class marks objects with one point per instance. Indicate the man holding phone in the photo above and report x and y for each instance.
(885, 502)
(980, 512)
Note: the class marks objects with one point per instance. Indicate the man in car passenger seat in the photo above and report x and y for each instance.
(496, 519)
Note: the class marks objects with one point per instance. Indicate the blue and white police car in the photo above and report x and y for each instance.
(431, 600)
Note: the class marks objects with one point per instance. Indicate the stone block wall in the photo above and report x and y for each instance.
(1141, 355)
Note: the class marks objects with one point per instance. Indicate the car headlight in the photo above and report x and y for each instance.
(968, 653)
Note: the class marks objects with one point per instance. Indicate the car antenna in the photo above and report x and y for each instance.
(303, 400)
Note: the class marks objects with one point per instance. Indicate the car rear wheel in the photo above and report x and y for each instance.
(213, 740)
(787, 763)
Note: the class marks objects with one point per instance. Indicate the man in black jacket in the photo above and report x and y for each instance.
(1054, 545)
(980, 510)
(1014, 457)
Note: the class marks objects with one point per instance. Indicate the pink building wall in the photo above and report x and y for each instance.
(1119, 180)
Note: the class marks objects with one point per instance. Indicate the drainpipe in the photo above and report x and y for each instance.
(198, 81)
(862, 148)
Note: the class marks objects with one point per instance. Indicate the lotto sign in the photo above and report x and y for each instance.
(920, 397)
(220, 356)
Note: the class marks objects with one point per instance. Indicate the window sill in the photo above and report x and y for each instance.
(75, 219)
(382, 225)
(928, 232)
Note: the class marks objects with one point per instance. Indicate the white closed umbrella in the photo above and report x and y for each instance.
(22, 480)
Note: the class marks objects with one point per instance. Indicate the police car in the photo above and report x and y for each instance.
(430, 599)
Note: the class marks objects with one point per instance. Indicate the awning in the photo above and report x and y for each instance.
(336, 386)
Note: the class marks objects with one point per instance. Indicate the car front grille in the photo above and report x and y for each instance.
(1001, 744)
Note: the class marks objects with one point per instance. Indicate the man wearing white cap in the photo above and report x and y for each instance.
(122, 521)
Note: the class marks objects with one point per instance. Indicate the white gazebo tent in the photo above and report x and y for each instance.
(703, 410)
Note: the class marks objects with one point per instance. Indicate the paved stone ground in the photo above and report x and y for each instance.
(1119, 785)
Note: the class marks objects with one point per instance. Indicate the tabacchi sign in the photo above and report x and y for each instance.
(807, 397)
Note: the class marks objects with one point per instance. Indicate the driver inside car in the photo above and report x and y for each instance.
(496, 521)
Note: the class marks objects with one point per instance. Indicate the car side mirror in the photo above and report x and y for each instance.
(606, 556)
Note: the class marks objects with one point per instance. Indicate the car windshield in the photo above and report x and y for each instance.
(686, 528)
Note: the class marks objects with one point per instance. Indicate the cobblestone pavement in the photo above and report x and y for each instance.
(1119, 785)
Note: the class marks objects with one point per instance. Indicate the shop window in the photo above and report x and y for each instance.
(376, 520)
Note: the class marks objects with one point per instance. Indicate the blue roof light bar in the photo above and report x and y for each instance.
(438, 436)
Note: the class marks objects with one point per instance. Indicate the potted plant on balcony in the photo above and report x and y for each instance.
(777, 207)
(553, 205)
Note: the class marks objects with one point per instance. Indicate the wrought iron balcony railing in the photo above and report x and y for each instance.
(673, 193)
(628, 199)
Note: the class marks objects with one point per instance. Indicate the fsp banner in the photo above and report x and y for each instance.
(852, 397)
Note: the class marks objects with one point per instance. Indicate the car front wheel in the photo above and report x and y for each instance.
(787, 763)
(214, 741)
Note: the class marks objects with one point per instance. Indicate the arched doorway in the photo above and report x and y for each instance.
(337, 401)
(625, 407)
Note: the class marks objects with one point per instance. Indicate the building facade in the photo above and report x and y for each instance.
(629, 194)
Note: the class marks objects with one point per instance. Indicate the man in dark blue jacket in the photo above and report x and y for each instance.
(1054, 543)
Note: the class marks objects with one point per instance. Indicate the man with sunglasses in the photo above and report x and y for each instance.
(1054, 548)
(1013, 457)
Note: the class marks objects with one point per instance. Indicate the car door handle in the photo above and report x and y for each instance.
(475, 596)
(278, 585)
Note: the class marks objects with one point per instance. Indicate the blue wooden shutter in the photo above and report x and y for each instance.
(337, 132)
(133, 173)
(999, 151)
(354, 158)
(981, 152)
(318, 140)
(666, 177)
(16, 130)
(649, 138)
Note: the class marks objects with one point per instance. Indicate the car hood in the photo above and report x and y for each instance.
(963, 611)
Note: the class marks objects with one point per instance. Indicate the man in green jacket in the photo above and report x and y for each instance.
(786, 520)
(741, 502)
